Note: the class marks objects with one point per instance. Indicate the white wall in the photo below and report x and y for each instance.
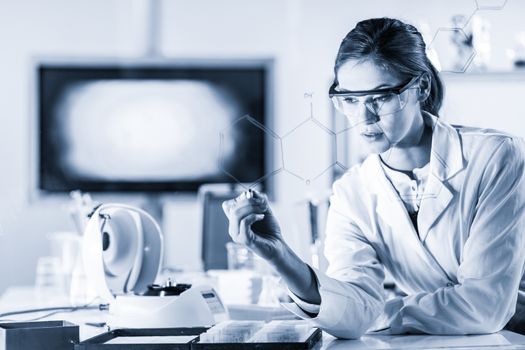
(301, 35)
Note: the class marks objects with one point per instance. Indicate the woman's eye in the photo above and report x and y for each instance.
(350, 100)
(382, 98)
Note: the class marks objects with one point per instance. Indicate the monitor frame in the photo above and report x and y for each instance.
(267, 64)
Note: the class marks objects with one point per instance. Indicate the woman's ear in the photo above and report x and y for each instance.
(424, 87)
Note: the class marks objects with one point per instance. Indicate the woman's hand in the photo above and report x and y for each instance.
(253, 224)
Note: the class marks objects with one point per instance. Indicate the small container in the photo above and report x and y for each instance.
(49, 281)
(240, 257)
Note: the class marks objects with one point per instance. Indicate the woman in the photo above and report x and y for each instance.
(441, 207)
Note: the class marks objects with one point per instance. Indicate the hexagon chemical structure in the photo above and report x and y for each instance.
(459, 30)
(468, 19)
(303, 137)
(344, 163)
(344, 142)
(490, 4)
(231, 134)
(340, 162)
(442, 43)
(442, 36)
(484, 5)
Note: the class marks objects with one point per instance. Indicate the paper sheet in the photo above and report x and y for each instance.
(169, 339)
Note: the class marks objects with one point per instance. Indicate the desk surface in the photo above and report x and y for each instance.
(18, 298)
(500, 340)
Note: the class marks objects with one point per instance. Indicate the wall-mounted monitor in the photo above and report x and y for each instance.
(150, 126)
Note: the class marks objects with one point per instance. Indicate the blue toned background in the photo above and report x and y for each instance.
(302, 36)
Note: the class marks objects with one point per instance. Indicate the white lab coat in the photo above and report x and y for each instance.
(463, 274)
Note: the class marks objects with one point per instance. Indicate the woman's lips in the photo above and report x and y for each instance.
(371, 135)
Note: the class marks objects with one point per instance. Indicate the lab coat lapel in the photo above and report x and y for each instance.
(390, 207)
(446, 160)
(434, 201)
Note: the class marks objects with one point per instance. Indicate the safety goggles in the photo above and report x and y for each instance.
(380, 102)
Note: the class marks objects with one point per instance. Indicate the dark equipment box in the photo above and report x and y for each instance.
(44, 335)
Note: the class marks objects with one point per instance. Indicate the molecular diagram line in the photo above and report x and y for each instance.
(281, 146)
(459, 33)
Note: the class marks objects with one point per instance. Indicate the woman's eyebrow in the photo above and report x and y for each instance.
(380, 86)
(384, 85)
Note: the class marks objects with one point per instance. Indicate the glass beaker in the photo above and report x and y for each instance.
(239, 257)
(65, 246)
(49, 281)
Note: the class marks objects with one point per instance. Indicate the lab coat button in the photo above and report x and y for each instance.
(450, 284)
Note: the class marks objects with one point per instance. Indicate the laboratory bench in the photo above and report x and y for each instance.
(89, 321)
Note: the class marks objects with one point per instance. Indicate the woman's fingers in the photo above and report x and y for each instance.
(246, 235)
(226, 207)
(239, 212)
(229, 205)
(240, 207)
(261, 198)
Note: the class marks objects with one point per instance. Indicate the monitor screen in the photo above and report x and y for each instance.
(150, 127)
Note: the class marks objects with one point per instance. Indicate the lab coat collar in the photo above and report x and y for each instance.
(446, 158)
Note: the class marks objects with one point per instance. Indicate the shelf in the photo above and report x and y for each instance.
(517, 74)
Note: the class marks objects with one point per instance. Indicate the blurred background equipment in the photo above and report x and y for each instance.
(517, 53)
(122, 251)
(215, 236)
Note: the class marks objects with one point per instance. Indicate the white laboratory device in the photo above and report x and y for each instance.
(122, 252)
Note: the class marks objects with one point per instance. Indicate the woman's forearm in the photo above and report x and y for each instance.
(297, 275)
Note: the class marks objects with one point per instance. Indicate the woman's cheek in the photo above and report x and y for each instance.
(389, 128)
(395, 127)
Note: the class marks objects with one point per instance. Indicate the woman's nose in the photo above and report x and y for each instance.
(371, 118)
(367, 116)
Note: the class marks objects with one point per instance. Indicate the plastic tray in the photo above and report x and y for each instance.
(309, 343)
(100, 342)
(107, 340)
